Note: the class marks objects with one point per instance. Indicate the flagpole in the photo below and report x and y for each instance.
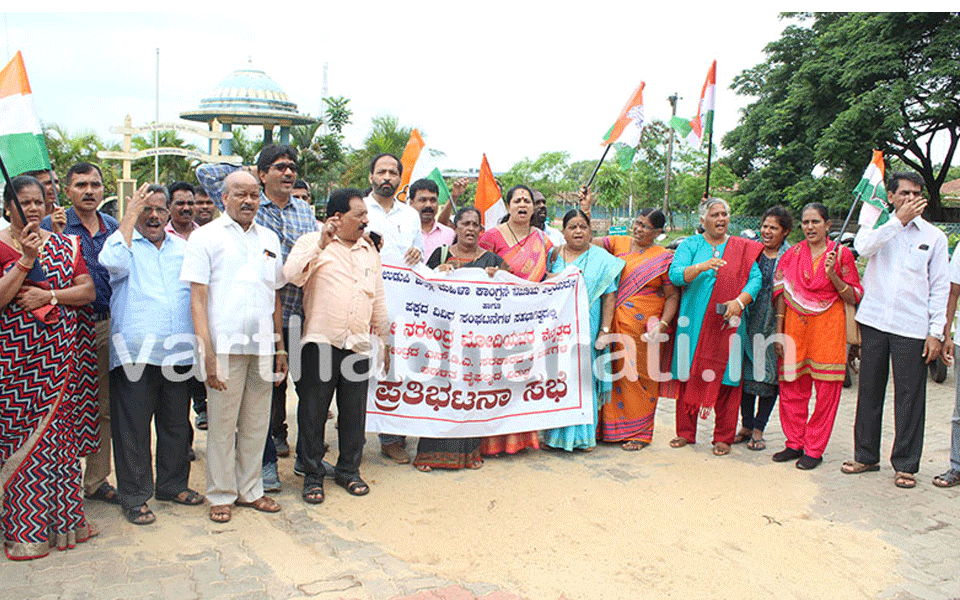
(600, 162)
(845, 223)
(706, 193)
(13, 193)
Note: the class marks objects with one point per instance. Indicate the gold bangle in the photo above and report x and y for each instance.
(281, 352)
(780, 317)
(845, 288)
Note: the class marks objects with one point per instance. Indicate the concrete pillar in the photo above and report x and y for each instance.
(267, 134)
(226, 145)
(284, 134)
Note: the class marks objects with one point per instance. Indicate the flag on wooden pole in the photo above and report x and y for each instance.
(873, 192)
(625, 132)
(488, 199)
(693, 131)
(21, 139)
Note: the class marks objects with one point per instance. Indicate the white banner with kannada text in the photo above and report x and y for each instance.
(473, 355)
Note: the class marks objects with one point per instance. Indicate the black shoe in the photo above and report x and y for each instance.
(787, 454)
(283, 448)
(201, 420)
(808, 462)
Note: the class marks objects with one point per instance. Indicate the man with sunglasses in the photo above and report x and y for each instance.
(289, 218)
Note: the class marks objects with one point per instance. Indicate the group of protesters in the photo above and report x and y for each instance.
(110, 326)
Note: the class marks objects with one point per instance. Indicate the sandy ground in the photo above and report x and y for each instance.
(658, 523)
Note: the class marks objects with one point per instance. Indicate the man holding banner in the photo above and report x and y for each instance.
(343, 298)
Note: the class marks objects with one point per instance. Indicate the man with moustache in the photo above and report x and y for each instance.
(289, 218)
(204, 210)
(181, 210)
(234, 269)
(85, 192)
(333, 264)
(399, 227)
(539, 219)
(149, 381)
(424, 198)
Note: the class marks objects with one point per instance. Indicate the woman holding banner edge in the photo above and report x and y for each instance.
(601, 274)
(457, 453)
(524, 249)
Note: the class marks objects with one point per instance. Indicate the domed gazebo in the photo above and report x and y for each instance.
(248, 97)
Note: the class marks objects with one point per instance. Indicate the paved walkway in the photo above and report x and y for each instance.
(329, 551)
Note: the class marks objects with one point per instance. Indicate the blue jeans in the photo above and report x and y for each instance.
(955, 429)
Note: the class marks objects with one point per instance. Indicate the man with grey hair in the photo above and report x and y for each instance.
(149, 376)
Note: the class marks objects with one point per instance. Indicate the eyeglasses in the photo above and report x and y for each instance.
(287, 166)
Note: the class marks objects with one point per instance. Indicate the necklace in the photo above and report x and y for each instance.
(465, 259)
(716, 249)
(514, 234)
(19, 246)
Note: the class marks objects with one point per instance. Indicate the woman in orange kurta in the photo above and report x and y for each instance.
(811, 285)
(646, 301)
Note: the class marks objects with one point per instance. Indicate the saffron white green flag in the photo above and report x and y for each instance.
(625, 132)
(701, 126)
(21, 139)
(419, 162)
(872, 190)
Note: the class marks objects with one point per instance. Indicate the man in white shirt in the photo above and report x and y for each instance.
(399, 227)
(234, 268)
(901, 317)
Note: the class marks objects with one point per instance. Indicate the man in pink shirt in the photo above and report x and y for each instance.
(343, 299)
(424, 198)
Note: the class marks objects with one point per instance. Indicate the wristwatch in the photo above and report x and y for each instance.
(53, 298)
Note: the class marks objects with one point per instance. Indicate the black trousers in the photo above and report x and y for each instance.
(326, 370)
(877, 349)
(757, 420)
(152, 397)
(278, 406)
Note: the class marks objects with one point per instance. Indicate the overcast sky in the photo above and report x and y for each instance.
(504, 78)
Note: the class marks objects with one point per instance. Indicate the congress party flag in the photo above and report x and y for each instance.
(625, 132)
(419, 163)
(694, 131)
(873, 192)
(488, 199)
(21, 138)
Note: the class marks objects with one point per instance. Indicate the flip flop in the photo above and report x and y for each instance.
(721, 449)
(757, 444)
(679, 442)
(633, 445)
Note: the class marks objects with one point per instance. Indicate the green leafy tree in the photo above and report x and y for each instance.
(546, 173)
(836, 85)
(172, 167)
(386, 135)
(66, 150)
(322, 153)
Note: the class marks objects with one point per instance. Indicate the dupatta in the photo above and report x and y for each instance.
(807, 290)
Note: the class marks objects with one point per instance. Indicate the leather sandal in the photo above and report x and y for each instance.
(139, 515)
(313, 493)
(852, 467)
(679, 442)
(263, 504)
(220, 513)
(904, 480)
(354, 485)
(187, 497)
(948, 479)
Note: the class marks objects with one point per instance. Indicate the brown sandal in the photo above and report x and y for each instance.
(633, 445)
(263, 504)
(721, 449)
(679, 442)
(220, 513)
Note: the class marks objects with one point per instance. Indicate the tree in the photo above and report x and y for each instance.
(386, 135)
(67, 150)
(322, 154)
(831, 91)
(546, 173)
(172, 168)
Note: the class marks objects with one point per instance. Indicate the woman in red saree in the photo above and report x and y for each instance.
(524, 248)
(44, 276)
(810, 287)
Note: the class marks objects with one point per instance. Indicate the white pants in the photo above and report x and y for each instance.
(238, 419)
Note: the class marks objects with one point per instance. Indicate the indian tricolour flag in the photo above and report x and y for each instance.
(694, 131)
(21, 139)
(873, 192)
(488, 199)
(420, 163)
(625, 133)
